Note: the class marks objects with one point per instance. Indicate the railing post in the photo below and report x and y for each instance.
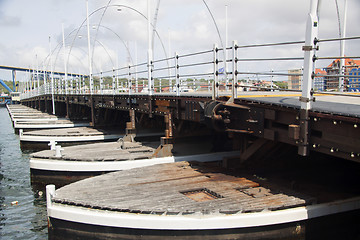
(215, 90)
(307, 91)
(45, 85)
(129, 80)
(77, 90)
(60, 84)
(234, 71)
(136, 80)
(91, 84)
(159, 84)
(83, 84)
(101, 83)
(71, 84)
(177, 76)
(113, 82)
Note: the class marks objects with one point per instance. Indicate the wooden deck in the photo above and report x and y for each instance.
(108, 151)
(72, 132)
(179, 188)
(21, 113)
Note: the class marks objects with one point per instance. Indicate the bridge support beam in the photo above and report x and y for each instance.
(166, 144)
(92, 111)
(130, 128)
(67, 108)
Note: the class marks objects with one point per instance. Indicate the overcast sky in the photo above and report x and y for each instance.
(183, 26)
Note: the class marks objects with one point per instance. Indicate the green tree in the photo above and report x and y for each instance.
(281, 84)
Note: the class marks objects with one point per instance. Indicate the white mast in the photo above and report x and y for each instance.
(89, 49)
(150, 83)
(52, 78)
(342, 50)
(226, 44)
(65, 67)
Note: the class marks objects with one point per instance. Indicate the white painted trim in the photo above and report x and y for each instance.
(52, 125)
(197, 222)
(98, 137)
(59, 139)
(83, 166)
(98, 166)
(23, 119)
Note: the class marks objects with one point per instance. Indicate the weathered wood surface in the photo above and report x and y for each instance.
(20, 112)
(161, 189)
(21, 108)
(47, 122)
(72, 132)
(110, 151)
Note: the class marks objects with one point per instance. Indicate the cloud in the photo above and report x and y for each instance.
(183, 26)
(9, 21)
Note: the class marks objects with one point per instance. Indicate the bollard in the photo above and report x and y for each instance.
(21, 131)
(52, 144)
(50, 191)
(58, 151)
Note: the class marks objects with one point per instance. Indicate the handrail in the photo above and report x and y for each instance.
(195, 69)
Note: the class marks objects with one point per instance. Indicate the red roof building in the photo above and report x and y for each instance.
(331, 82)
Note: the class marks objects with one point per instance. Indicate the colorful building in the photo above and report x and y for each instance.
(319, 81)
(354, 82)
(332, 82)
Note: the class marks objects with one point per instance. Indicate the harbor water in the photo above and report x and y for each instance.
(22, 209)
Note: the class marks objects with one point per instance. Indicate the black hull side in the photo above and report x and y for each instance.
(338, 226)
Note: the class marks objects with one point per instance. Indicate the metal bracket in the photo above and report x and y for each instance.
(310, 48)
(307, 48)
(303, 99)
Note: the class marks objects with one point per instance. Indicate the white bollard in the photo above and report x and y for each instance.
(21, 131)
(58, 151)
(50, 191)
(52, 144)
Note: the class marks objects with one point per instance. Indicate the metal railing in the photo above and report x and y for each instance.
(206, 72)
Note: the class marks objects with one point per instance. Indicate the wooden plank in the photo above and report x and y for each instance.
(159, 189)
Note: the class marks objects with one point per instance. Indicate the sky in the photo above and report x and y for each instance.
(29, 29)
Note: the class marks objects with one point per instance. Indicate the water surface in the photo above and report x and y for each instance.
(22, 210)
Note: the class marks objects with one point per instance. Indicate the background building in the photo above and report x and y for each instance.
(331, 82)
(294, 82)
(319, 81)
(354, 82)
